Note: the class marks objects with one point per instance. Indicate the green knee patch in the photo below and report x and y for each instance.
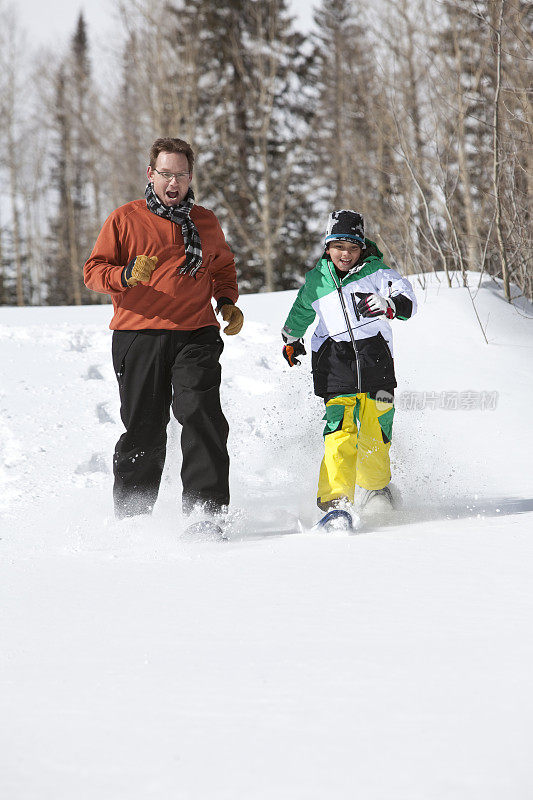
(334, 416)
(356, 412)
(385, 421)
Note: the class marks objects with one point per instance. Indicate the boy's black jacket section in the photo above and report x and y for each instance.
(335, 371)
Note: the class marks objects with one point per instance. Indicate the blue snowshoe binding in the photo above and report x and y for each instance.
(335, 520)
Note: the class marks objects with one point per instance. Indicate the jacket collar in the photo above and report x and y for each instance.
(374, 254)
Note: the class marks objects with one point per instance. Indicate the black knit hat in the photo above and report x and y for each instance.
(345, 225)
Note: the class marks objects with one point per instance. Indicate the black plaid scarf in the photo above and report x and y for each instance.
(180, 215)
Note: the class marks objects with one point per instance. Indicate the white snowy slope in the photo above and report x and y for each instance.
(394, 663)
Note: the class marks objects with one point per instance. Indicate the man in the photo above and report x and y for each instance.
(162, 260)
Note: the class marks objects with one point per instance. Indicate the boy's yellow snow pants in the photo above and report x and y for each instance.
(357, 440)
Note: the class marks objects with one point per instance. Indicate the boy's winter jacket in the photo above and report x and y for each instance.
(169, 301)
(336, 369)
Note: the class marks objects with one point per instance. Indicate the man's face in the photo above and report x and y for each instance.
(170, 192)
(344, 254)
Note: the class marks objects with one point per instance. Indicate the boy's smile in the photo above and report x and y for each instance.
(344, 254)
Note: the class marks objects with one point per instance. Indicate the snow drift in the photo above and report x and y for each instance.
(138, 664)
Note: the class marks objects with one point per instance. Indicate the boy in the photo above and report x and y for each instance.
(354, 294)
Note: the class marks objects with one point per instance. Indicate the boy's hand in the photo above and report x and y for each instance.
(139, 270)
(374, 305)
(293, 349)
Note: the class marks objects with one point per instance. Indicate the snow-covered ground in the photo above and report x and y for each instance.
(391, 664)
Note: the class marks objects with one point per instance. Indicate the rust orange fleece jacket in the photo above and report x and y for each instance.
(168, 301)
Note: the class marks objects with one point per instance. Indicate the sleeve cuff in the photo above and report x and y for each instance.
(404, 306)
(224, 301)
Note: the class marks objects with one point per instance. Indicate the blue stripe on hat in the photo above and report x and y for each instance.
(344, 237)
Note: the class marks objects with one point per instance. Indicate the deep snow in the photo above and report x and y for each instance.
(395, 663)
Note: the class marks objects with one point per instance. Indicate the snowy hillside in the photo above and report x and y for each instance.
(391, 664)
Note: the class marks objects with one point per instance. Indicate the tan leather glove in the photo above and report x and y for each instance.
(234, 317)
(139, 270)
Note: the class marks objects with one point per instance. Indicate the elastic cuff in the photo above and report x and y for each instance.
(224, 301)
(403, 305)
(287, 337)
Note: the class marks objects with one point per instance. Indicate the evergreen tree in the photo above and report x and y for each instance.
(60, 278)
(353, 132)
(240, 78)
(72, 227)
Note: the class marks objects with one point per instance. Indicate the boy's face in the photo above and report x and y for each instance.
(344, 254)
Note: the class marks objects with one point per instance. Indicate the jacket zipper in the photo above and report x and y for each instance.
(350, 331)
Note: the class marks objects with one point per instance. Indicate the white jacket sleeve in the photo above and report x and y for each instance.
(390, 283)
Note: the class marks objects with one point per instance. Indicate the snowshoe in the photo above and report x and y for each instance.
(335, 520)
(377, 501)
(206, 529)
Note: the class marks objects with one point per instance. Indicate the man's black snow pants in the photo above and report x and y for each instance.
(157, 369)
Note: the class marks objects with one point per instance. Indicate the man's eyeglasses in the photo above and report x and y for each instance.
(167, 176)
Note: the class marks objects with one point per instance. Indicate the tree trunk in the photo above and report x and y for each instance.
(473, 259)
(496, 152)
(16, 222)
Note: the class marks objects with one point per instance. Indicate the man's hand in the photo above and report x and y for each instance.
(139, 270)
(234, 317)
(374, 305)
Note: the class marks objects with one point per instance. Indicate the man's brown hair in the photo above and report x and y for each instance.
(168, 145)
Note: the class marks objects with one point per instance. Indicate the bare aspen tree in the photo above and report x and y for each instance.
(3, 293)
(473, 238)
(149, 64)
(498, 9)
(457, 107)
(159, 76)
(511, 25)
(11, 48)
(34, 194)
(125, 149)
(496, 133)
(159, 87)
(407, 73)
(13, 196)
